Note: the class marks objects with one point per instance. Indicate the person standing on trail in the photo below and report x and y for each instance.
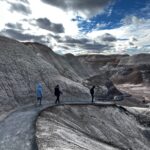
(39, 93)
(57, 93)
(92, 93)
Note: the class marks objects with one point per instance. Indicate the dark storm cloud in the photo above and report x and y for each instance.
(65, 47)
(44, 23)
(96, 46)
(69, 39)
(84, 44)
(122, 39)
(72, 45)
(22, 37)
(18, 7)
(131, 43)
(55, 36)
(17, 26)
(88, 7)
(108, 38)
(134, 39)
(25, 1)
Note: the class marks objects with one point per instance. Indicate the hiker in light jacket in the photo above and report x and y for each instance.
(39, 93)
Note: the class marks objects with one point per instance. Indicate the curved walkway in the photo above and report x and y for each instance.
(17, 130)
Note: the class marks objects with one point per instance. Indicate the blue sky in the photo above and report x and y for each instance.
(114, 14)
(79, 26)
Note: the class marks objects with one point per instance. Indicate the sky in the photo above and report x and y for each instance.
(79, 26)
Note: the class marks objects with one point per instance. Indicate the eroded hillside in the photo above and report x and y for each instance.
(90, 127)
(23, 65)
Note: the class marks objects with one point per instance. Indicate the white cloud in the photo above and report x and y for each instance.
(129, 20)
(84, 8)
(132, 27)
(101, 25)
(39, 10)
(55, 15)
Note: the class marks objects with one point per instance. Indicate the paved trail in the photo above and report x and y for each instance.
(17, 131)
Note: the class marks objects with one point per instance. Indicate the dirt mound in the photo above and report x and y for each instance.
(130, 75)
(90, 127)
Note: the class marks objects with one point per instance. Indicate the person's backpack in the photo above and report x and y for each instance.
(57, 92)
(92, 90)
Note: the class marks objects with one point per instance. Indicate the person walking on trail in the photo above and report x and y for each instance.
(39, 93)
(57, 93)
(92, 93)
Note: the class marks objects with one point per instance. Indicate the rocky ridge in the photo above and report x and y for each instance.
(91, 127)
(23, 65)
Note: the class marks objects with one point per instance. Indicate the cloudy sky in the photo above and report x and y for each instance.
(79, 26)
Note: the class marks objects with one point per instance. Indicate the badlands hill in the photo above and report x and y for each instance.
(136, 60)
(23, 65)
(120, 68)
(93, 127)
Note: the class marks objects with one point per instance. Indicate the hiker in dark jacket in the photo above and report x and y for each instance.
(57, 93)
(92, 93)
